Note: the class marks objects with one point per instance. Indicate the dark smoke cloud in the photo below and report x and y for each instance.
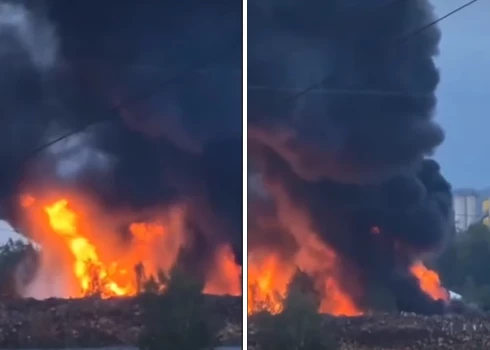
(159, 135)
(349, 137)
(353, 158)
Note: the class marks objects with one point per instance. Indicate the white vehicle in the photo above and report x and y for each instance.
(454, 296)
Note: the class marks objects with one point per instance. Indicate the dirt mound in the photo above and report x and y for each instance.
(90, 322)
(409, 332)
(415, 332)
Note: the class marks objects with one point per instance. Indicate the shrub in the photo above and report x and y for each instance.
(178, 319)
(19, 262)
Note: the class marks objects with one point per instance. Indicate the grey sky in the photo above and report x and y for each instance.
(464, 93)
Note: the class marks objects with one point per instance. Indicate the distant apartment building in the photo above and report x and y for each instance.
(471, 206)
(467, 208)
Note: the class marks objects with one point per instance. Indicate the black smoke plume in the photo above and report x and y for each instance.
(154, 89)
(352, 153)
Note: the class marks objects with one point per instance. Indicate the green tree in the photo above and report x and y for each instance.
(298, 327)
(463, 266)
(179, 319)
(474, 254)
(15, 254)
(151, 285)
(447, 264)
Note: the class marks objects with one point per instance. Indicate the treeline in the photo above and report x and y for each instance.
(176, 315)
(19, 260)
(464, 265)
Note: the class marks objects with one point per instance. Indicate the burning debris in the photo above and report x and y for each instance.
(348, 194)
(150, 182)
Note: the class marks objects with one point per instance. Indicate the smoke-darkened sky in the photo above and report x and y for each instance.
(351, 161)
(165, 78)
(463, 94)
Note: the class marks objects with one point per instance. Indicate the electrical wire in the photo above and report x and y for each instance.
(402, 39)
(235, 42)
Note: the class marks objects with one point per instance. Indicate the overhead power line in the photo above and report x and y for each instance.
(287, 53)
(333, 91)
(449, 14)
(402, 39)
(214, 58)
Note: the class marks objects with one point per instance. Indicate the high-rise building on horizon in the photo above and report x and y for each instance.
(466, 208)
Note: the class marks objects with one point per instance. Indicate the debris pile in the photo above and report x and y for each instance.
(91, 322)
(408, 332)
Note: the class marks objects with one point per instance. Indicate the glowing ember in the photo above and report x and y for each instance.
(429, 282)
(27, 200)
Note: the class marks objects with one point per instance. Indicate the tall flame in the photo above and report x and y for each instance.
(72, 233)
(226, 278)
(429, 282)
(269, 273)
(63, 221)
(269, 278)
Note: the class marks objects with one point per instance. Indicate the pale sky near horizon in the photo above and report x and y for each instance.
(463, 95)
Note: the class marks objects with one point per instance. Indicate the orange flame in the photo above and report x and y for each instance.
(63, 221)
(226, 278)
(269, 275)
(73, 233)
(268, 280)
(429, 282)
